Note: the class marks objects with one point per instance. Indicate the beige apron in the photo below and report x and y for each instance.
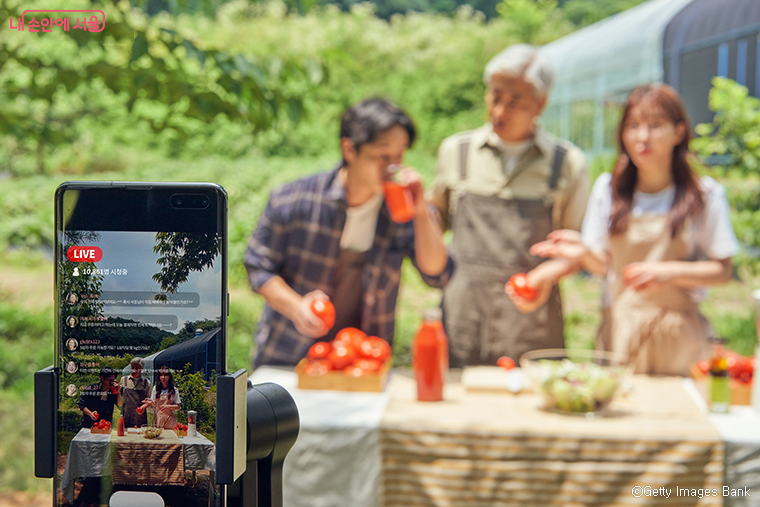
(664, 324)
(164, 418)
(491, 241)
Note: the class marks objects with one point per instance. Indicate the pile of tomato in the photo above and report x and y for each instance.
(180, 427)
(102, 424)
(352, 352)
(740, 368)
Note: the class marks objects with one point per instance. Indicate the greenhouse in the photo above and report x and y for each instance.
(684, 43)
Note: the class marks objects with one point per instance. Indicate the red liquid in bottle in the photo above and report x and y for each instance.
(431, 357)
(120, 427)
(399, 200)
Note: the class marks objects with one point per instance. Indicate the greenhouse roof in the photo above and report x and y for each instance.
(612, 56)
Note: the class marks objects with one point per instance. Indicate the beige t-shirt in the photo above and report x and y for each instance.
(361, 222)
(528, 178)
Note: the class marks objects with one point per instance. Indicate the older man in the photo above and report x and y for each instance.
(501, 188)
(135, 389)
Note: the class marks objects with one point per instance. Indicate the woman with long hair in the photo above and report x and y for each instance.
(658, 232)
(165, 399)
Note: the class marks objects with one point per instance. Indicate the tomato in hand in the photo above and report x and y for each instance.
(375, 348)
(319, 350)
(325, 311)
(505, 362)
(95, 414)
(519, 284)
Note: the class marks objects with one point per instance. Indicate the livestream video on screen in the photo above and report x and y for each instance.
(140, 341)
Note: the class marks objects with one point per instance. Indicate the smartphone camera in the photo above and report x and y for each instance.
(189, 201)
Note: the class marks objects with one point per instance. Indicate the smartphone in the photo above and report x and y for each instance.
(141, 302)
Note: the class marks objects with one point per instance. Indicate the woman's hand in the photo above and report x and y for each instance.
(563, 244)
(647, 275)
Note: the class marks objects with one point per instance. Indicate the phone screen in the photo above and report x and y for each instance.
(140, 339)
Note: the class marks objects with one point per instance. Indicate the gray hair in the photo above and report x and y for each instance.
(523, 61)
(136, 360)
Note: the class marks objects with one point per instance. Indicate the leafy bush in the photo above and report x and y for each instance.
(734, 135)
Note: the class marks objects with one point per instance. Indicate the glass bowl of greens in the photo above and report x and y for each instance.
(575, 381)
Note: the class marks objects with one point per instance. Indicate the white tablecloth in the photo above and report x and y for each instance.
(740, 430)
(90, 456)
(336, 460)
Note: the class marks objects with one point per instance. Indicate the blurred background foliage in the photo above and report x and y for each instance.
(249, 94)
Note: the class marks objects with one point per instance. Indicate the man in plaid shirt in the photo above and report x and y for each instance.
(330, 236)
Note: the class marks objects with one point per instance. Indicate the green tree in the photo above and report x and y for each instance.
(181, 253)
(734, 136)
(527, 17)
(159, 76)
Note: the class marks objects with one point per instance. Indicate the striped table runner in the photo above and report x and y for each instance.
(500, 450)
(149, 462)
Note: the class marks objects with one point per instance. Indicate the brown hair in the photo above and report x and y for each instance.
(688, 199)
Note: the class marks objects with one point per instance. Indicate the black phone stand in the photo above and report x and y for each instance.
(264, 414)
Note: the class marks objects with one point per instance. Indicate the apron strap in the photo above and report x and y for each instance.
(459, 187)
(559, 158)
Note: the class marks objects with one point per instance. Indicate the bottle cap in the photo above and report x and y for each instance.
(432, 314)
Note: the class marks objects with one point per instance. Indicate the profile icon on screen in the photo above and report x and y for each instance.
(72, 344)
(71, 390)
(72, 321)
(72, 299)
(71, 367)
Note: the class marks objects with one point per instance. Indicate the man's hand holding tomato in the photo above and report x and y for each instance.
(529, 294)
(305, 320)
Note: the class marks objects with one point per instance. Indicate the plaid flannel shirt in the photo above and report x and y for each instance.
(298, 239)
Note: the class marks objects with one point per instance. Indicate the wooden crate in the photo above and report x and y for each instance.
(740, 392)
(339, 381)
(97, 431)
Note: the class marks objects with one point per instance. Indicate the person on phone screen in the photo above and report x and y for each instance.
(98, 400)
(658, 232)
(331, 236)
(165, 400)
(500, 188)
(135, 389)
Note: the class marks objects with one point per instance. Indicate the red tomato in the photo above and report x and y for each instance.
(139, 410)
(519, 284)
(325, 311)
(351, 336)
(184, 427)
(319, 350)
(354, 371)
(95, 414)
(375, 348)
(704, 366)
(341, 355)
(369, 365)
(317, 367)
(506, 362)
